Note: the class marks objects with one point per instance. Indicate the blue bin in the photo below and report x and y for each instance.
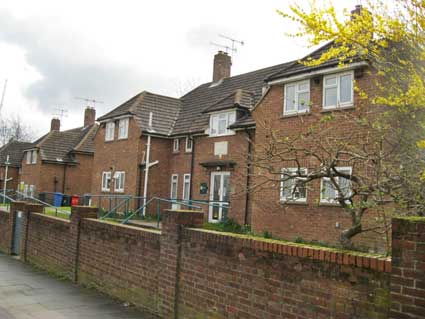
(57, 199)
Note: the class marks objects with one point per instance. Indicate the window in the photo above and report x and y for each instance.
(176, 145)
(186, 187)
(34, 157)
(297, 97)
(174, 184)
(119, 178)
(220, 122)
(328, 193)
(123, 128)
(291, 189)
(110, 131)
(189, 144)
(28, 157)
(106, 181)
(338, 90)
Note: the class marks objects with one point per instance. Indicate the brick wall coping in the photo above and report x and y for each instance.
(3, 211)
(123, 226)
(66, 221)
(375, 262)
(413, 219)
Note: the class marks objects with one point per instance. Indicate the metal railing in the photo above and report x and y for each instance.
(48, 209)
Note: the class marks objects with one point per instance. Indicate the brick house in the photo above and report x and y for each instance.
(312, 213)
(196, 146)
(60, 161)
(12, 153)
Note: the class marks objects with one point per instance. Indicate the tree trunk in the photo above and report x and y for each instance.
(348, 234)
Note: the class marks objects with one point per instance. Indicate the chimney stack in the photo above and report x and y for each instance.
(89, 116)
(222, 66)
(55, 124)
(357, 11)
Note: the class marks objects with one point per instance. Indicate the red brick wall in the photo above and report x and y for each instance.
(79, 177)
(30, 173)
(4, 231)
(121, 261)
(47, 244)
(313, 220)
(231, 277)
(408, 268)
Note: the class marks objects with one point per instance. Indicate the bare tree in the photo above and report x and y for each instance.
(13, 128)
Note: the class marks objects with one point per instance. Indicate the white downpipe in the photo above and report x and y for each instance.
(147, 165)
(5, 179)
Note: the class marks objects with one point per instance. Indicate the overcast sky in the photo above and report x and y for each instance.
(54, 51)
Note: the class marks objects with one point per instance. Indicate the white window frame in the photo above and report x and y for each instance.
(186, 180)
(327, 200)
(174, 183)
(296, 97)
(293, 171)
(123, 128)
(230, 118)
(107, 175)
(119, 181)
(109, 128)
(29, 157)
(189, 140)
(176, 145)
(34, 157)
(338, 90)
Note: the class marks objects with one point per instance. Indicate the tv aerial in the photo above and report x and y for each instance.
(88, 100)
(232, 47)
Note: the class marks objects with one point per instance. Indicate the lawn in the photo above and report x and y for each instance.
(61, 212)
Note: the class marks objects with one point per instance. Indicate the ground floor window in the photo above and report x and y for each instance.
(329, 193)
(106, 181)
(174, 185)
(186, 187)
(119, 181)
(291, 187)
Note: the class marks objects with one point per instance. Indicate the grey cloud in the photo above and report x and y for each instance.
(72, 67)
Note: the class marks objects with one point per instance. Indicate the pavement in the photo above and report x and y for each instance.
(26, 293)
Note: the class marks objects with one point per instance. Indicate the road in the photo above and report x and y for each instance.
(26, 293)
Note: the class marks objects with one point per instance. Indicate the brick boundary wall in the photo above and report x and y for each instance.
(187, 272)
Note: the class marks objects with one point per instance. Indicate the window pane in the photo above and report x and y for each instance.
(290, 98)
(346, 88)
(231, 118)
(330, 81)
(328, 190)
(330, 96)
(303, 86)
(287, 188)
(222, 126)
(303, 101)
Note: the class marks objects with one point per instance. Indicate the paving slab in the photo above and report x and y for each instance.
(26, 293)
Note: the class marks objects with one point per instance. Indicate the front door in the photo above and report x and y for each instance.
(219, 196)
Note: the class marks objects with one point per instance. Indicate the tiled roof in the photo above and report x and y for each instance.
(58, 146)
(187, 115)
(193, 120)
(164, 110)
(244, 121)
(238, 99)
(15, 150)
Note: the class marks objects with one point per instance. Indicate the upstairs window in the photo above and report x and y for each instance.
(338, 90)
(34, 157)
(176, 145)
(297, 98)
(123, 128)
(329, 193)
(119, 181)
(220, 122)
(28, 157)
(291, 187)
(189, 144)
(106, 181)
(110, 131)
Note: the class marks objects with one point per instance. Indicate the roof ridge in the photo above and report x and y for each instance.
(93, 126)
(162, 95)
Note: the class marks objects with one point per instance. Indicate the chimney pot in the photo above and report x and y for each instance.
(89, 116)
(55, 124)
(222, 66)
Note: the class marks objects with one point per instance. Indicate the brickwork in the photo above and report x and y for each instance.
(13, 173)
(79, 177)
(184, 272)
(408, 269)
(311, 220)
